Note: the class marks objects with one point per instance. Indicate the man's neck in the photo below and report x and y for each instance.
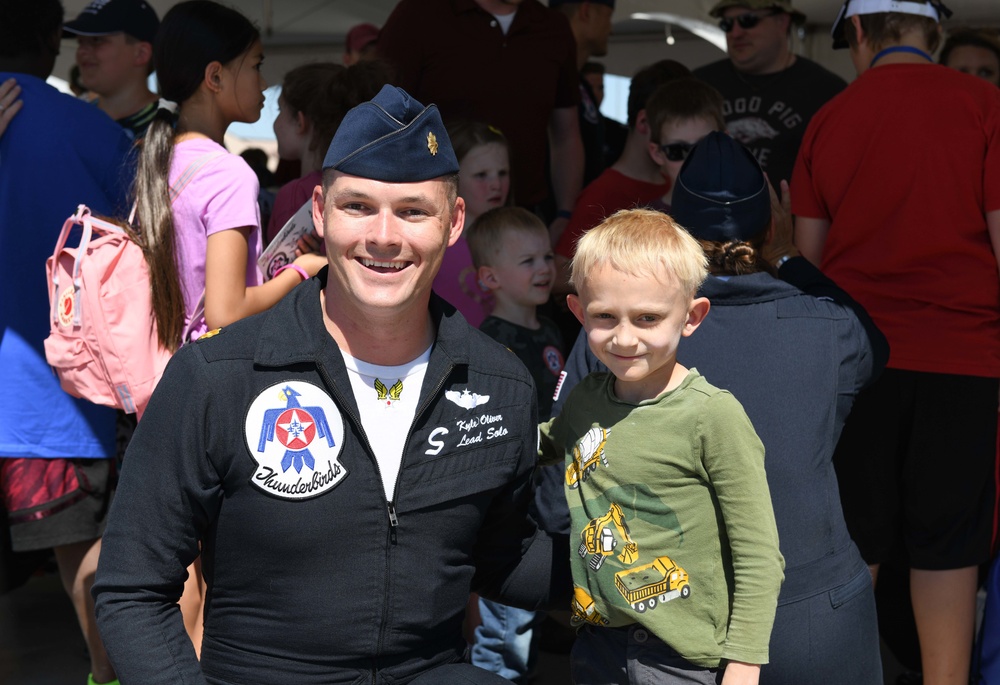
(521, 315)
(389, 339)
(635, 161)
(126, 102)
(497, 7)
(32, 66)
(780, 63)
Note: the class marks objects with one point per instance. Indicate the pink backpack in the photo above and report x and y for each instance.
(103, 340)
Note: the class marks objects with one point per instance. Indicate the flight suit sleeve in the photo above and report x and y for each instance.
(168, 495)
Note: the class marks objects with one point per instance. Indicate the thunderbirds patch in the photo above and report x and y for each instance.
(295, 433)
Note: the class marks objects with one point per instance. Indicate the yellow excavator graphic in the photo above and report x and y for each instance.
(586, 454)
(599, 539)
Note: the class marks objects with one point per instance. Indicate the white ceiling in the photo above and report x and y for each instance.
(329, 20)
(298, 31)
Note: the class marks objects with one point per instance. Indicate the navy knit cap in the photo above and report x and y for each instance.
(721, 193)
(392, 138)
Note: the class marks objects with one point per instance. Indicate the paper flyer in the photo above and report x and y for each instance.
(281, 251)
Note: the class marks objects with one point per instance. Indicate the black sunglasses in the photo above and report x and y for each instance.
(747, 20)
(677, 152)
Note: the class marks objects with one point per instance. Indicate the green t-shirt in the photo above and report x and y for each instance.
(672, 516)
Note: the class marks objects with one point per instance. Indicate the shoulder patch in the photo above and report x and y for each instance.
(295, 433)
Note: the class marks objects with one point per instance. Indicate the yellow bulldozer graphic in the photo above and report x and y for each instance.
(584, 611)
(587, 452)
(602, 536)
(646, 586)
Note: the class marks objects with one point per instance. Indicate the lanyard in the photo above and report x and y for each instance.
(900, 48)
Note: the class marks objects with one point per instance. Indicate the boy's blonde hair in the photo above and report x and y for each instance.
(486, 234)
(641, 242)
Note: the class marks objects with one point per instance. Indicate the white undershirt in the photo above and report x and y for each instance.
(505, 20)
(387, 399)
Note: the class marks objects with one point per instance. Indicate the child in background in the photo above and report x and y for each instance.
(678, 559)
(202, 243)
(484, 184)
(314, 99)
(680, 114)
(514, 260)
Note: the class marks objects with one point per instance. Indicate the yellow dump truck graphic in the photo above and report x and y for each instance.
(646, 586)
(584, 611)
(587, 452)
(601, 537)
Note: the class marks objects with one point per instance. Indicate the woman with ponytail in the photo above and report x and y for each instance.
(196, 204)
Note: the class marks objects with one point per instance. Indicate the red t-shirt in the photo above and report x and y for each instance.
(609, 192)
(454, 54)
(905, 164)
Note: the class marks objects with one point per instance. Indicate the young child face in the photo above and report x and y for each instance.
(525, 269)
(108, 63)
(676, 140)
(484, 178)
(288, 131)
(634, 324)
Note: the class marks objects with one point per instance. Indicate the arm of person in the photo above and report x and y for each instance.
(9, 104)
(227, 296)
(810, 237)
(733, 457)
(516, 563)
(566, 153)
(739, 673)
(168, 495)
(804, 275)
(993, 224)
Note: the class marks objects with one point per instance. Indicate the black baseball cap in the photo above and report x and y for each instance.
(137, 18)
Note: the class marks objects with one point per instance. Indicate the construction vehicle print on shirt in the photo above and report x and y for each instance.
(646, 586)
(584, 611)
(586, 453)
(602, 536)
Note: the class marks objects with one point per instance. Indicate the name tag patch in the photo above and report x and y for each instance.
(474, 430)
(295, 433)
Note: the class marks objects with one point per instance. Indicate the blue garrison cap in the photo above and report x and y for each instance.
(721, 193)
(392, 138)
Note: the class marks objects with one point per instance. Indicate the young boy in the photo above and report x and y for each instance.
(513, 256)
(514, 260)
(115, 56)
(680, 114)
(677, 568)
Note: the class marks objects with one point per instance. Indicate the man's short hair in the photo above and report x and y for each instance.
(641, 242)
(887, 28)
(26, 26)
(647, 80)
(683, 99)
(486, 234)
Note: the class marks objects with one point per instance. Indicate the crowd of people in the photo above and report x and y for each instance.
(388, 461)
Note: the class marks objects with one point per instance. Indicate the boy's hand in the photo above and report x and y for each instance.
(737, 672)
(780, 240)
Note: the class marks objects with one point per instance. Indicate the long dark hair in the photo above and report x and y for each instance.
(191, 36)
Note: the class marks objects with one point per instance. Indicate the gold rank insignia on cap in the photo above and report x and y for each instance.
(432, 143)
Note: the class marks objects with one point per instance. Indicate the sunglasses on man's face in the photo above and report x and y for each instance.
(747, 20)
(676, 152)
